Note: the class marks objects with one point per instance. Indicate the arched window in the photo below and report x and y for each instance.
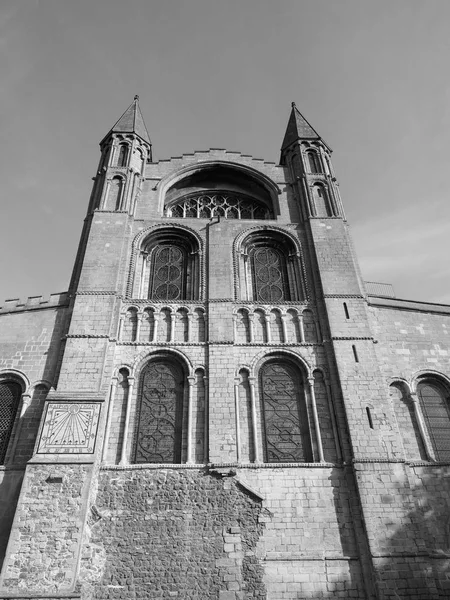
(10, 393)
(269, 274)
(285, 418)
(170, 268)
(123, 155)
(160, 420)
(321, 201)
(313, 162)
(168, 277)
(270, 269)
(434, 403)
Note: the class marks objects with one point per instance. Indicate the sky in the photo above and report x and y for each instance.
(371, 76)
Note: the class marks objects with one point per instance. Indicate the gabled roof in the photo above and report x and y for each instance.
(298, 128)
(132, 121)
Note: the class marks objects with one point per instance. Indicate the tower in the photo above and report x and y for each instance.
(210, 403)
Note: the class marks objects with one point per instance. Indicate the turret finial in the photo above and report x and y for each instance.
(293, 104)
(136, 98)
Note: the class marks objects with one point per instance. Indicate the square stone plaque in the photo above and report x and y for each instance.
(69, 428)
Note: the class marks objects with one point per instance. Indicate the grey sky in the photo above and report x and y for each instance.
(371, 76)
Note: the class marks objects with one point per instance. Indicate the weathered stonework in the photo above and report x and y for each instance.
(292, 458)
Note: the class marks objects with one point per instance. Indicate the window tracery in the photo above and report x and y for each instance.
(168, 274)
(270, 269)
(159, 432)
(10, 393)
(269, 274)
(434, 404)
(286, 428)
(226, 205)
(169, 267)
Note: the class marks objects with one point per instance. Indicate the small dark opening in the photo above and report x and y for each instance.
(355, 354)
(369, 417)
(347, 316)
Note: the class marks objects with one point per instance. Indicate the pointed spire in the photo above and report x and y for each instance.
(298, 128)
(132, 121)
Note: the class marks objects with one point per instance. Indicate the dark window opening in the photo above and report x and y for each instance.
(159, 434)
(286, 428)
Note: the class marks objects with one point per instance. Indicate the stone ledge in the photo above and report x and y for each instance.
(38, 596)
(410, 305)
(151, 466)
(306, 556)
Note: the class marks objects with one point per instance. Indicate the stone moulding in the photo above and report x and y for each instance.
(234, 465)
(343, 337)
(236, 249)
(152, 467)
(277, 344)
(300, 557)
(38, 596)
(85, 335)
(96, 293)
(164, 344)
(140, 237)
(344, 296)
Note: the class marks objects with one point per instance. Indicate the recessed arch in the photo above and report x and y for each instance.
(224, 175)
(145, 356)
(16, 375)
(283, 404)
(160, 406)
(12, 386)
(167, 265)
(268, 266)
(433, 393)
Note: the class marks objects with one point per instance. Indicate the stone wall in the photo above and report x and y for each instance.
(164, 534)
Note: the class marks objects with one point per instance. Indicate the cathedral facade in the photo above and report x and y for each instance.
(220, 407)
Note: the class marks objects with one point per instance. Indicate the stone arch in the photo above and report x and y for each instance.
(139, 272)
(161, 428)
(13, 386)
(286, 251)
(433, 394)
(283, 404)
(177, 176)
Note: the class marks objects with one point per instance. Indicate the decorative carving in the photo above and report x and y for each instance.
(285, 417)
(69, 428)
(168, 273)
(270, 281)
(160, 419)
(10, 393)
(226, 205)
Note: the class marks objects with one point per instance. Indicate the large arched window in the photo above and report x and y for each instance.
(170, 269)
(434, 403)
(160, 419)
(269, 273)
(285, 418)
(168, 277)
(10, 393)
(219, 190)
(270, 269)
